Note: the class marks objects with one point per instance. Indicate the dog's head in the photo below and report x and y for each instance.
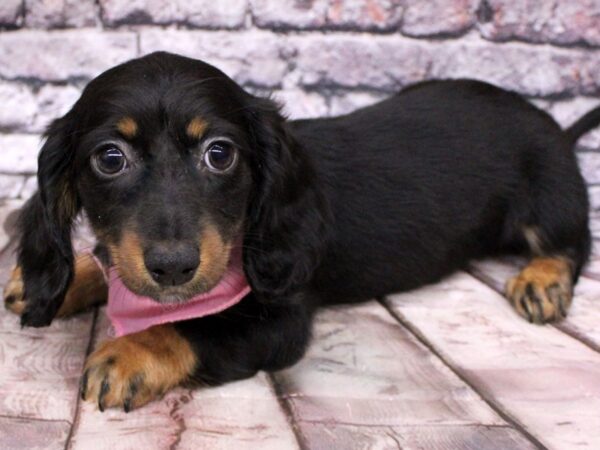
(174, 164)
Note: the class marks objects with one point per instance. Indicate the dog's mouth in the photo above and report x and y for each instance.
(128, 260)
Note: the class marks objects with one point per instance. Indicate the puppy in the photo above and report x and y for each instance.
(176, 166)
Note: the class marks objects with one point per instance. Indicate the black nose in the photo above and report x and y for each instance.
(172, 265)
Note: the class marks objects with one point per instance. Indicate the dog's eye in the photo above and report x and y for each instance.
(109, 160)
(220, 156)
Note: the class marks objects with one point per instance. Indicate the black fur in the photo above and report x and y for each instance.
(385, 199)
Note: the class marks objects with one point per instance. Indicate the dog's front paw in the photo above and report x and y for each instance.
(14, 299)
(133, 370)
(543, 291)
(33, 314)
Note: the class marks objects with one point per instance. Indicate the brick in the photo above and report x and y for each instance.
(11, 13)
(348, 60)
(60, 13)
(19, 106)
(594, 195)
(53, 102)
(29, 187)
(31, 110)
(11, 185)
(198, 13)
(390, 62)
(557, 21)
(351, 101)
(19, 153)
(438, 17)
(589, 164)
(364, 14)
(63, 55)
(298, 104)
(530, 70)
(566, 112)
(329, 14)
(289, 13)
(253, 57)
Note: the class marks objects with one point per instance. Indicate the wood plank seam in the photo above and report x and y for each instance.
(286, 407)
(34, 419)
(560, 327)
(88, 350)
(505, 415)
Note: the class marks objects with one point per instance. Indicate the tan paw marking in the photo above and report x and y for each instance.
(13, 292)
(543, 291)
(133, 370)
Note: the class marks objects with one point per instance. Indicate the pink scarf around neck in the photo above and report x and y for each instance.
(130, 313)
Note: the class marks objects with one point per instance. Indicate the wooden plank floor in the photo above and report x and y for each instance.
(446, 366)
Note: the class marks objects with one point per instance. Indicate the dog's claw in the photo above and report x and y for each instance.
(104, 388)
(84, 384)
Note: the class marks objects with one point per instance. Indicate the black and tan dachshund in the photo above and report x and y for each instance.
(173, 164)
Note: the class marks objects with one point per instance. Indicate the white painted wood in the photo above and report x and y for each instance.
(541, 377)
(366, 374)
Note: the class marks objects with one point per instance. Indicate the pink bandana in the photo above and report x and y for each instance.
(130, 313)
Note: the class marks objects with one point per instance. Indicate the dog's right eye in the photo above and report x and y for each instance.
(109, 161)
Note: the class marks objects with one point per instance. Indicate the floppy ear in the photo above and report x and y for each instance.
(285, 225)
(45, 253)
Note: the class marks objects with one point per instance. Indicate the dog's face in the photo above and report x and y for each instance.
(161, 166)
(174, 164)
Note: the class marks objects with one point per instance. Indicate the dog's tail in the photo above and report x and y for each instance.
(583, 125)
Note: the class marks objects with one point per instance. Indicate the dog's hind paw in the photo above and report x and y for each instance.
(543, 291)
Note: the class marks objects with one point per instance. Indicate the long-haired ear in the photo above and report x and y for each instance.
(45, 253)
(285, 225)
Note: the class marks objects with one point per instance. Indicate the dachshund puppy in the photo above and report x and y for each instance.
(176, 166)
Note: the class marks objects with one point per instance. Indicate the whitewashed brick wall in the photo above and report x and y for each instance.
(319, 57)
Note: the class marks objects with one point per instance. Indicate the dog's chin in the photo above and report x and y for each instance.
(172, 294)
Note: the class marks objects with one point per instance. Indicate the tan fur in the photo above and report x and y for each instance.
(87, 289)
(128, 257)
(158, 357)
(214, 256)
(196, 128)
(543, 291)
(127, 127)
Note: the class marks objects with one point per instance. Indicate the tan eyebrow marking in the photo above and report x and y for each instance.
(127, 127)
(196, 128)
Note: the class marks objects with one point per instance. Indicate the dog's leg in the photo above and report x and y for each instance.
(132, 370)
(87, 289)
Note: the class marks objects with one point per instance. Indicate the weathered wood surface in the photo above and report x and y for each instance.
(583, 320)
(31, 434)
(539, 376)
(367, 382)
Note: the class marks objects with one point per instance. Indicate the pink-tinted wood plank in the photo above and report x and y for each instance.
(238, 415)
(447, 437)
(40, 368)
(18, 434)
(366, 373)
(542, 378)
(583, 320)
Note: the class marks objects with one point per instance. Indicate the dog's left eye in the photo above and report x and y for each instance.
(109, 160)
(220, 156)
